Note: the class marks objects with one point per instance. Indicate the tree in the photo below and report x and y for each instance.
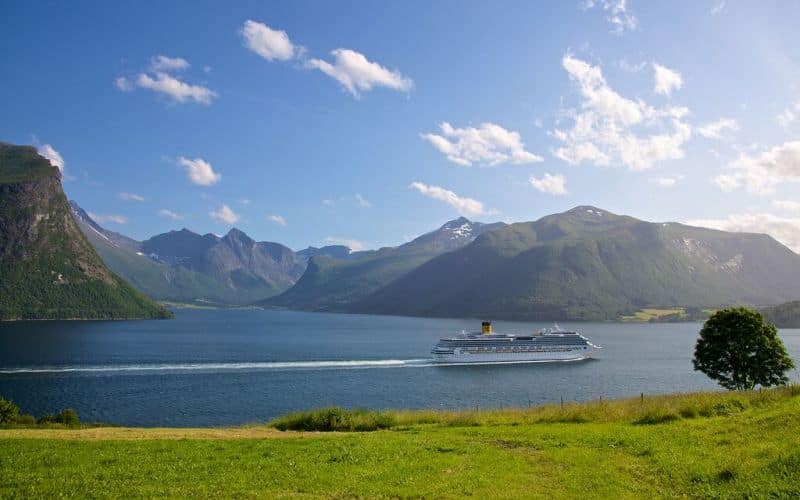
(8, 411)
(738, 349)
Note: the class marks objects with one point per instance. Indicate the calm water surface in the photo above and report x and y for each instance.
(224, 367)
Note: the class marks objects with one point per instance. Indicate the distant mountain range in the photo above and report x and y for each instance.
(590, 264)
(184, 266)
(331, 284)
(583, 264)
(48, 270)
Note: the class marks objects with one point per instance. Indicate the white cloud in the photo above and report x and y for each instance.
(666, 79)
(54, 156)
(328, 203)
(717, 8)
(268, 43)
(616, 13)
(715, 130)
(225, 214)
(362, 202)
(667, 182)
(131, 197)
(199, 171)
(464, 206)
(277, 219)
(604, 130)
(624, 65)
(489, 144)
(123, 84)
(116, 219)
(354, 245)
(358, 74)
(551, 184)
(245, 201)
(169, 214)
(789, 115)
(177, 90)
(786, 230)
(168, 64)
(788, 205)
(762, 173)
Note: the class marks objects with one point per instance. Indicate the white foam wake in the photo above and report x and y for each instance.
(223, 366)
(265, 365)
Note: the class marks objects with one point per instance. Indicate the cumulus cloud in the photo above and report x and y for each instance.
(667, 182)
(116, 219)
(160, 78)
(464, 206)
(716, 130)
(362, 202)
(788, 205)
(789, 115)
(199, 171)
(175, 89)
(358, 74)
(225, 214)
(354, 245)
(131, 197)
(277, 219)
(784, 229)
(123, 84)
(168, 64)
(617, 14)
(489, 144)
(624, 65)
(169, 214)
(54, 156)
(763, 172)
(328, 202)
(606, 129)
(550, 184)
(268, 43)
(666, 79)
(717, 8)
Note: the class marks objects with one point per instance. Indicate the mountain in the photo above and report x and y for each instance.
(331, 284)
(784, 315)
(184, 266)
(48, 269)
(590, 264)
(340, 252)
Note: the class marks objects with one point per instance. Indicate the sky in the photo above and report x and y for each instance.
(369, 123)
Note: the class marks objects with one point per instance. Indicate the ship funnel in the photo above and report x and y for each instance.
(486, 327)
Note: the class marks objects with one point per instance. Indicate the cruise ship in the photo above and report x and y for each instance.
(550, 344)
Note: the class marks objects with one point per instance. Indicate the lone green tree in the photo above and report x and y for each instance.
(738, 349)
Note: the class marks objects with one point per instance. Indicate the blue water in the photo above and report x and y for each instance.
(226, 367)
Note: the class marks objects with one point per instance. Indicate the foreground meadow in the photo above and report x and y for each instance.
(708, 444)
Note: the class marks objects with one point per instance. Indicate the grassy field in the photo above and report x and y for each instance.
(708, 444)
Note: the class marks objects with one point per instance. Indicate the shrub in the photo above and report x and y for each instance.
(334, 419)
(8, 411)
(26, 420)
(68, 417)
(656, 416)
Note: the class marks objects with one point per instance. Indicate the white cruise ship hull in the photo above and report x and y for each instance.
(464, 356)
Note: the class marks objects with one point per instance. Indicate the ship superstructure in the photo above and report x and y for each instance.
(551, 344)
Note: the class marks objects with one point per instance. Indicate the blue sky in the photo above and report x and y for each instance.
(372, 122)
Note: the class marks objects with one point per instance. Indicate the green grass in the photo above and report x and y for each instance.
(701, 445)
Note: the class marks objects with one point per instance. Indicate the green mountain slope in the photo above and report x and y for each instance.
(784, 315)
(590, 264)
(330, 284)
(48, 270)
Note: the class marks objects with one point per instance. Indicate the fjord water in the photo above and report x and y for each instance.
(227, 367)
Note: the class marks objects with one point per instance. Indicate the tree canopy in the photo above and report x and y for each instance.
(738, 349)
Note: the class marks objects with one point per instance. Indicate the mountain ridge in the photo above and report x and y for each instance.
(48, 269)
